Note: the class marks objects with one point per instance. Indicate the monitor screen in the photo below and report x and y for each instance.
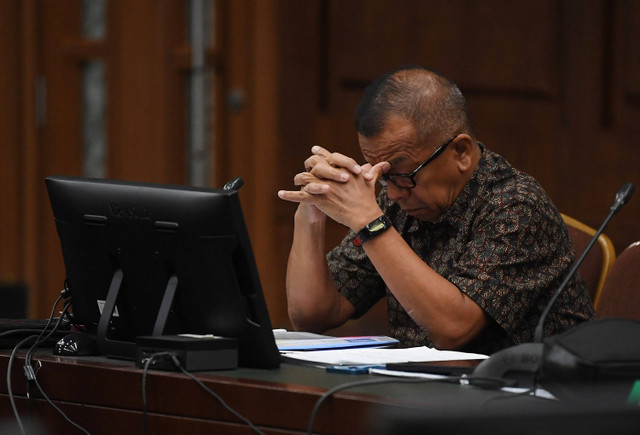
(151, 259)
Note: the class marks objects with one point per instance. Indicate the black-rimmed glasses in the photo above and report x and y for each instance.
(407, 181)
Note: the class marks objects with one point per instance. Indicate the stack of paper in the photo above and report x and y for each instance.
(367, 356)
(306, 341)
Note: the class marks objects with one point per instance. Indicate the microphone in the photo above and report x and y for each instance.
(234, 184)
(622, 197)
(522, 361)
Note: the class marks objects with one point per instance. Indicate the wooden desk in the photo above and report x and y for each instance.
(104, 396)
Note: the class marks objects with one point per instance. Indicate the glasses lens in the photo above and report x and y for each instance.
(400, 181)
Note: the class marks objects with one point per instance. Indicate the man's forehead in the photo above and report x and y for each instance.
(394, 143)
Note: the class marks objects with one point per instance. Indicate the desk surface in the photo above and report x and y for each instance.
(104, 396)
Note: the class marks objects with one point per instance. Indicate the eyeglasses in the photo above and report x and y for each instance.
(407, 181)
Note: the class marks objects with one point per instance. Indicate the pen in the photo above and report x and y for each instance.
(354, 369)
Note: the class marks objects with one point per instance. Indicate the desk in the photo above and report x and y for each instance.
(104, 396)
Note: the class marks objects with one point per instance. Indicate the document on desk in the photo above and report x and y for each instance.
(376, 356)
(307, 341)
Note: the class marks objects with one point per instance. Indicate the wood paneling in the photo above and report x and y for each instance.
(43, 56)
(551, 84)
(11, 230)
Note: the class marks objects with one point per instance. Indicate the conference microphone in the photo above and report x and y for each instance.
(234, 184)
(519, 364)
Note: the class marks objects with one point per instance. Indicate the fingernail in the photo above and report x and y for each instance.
(357, 168)
(315, 148)
(344, 177)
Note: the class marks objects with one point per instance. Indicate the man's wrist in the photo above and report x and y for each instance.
(372, 229)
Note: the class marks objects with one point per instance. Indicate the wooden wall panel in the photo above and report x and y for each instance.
(148, 91)
(144, 52)
(10, 159)
(59, 142)
(248, 149)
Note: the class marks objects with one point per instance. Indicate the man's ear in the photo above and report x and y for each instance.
(464, 152)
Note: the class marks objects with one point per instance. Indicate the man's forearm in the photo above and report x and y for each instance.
(313, 301)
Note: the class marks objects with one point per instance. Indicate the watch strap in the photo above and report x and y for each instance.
(372, 229)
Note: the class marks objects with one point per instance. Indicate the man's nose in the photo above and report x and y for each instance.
(396, 193)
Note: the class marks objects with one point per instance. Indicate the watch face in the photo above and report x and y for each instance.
(377, 226)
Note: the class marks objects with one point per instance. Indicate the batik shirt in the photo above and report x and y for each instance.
(502, 243)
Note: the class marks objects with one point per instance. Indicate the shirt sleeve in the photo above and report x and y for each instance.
(354, 275)
(518, 252)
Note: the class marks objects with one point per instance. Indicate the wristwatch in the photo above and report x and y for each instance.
(372, 229)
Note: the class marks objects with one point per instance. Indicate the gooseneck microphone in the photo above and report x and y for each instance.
(522, 361)
(622, 197)
(234, 184)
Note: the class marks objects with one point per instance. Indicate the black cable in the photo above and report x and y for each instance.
(58, 409)
(21, 330)
(177, 363)
(9, 387)
(222, 402)
(367, 382)
(41, 340)
(528, 392)
(28, 367)
(51, 316)
(145, 370)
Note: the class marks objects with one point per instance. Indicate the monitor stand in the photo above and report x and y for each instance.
(127, 349)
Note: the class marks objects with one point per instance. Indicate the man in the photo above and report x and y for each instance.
(467, 249)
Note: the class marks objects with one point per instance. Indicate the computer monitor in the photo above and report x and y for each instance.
(151, 259)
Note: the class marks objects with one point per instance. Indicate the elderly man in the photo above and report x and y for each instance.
(466, 249)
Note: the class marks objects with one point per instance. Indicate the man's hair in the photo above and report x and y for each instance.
(434, 104)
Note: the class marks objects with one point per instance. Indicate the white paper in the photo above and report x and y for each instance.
(367, 356)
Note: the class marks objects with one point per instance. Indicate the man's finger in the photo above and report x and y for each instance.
(316, 188)
(375, 172)
(337, 159)
(293, 195)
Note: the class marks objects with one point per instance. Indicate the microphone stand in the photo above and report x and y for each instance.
(622, 197)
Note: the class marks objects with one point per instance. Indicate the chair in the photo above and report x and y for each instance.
(620, 296)
(598, 261)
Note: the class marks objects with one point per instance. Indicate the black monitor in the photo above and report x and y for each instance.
(152, 259)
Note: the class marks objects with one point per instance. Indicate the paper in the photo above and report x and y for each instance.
(306, 341)
(376, 356)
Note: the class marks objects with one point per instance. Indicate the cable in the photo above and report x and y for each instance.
(511, 396)
(145, 370)
(9, 387)
(29, 372)
(35, 338)
(40, 340)
(332, 391)
(222, 402)
(177, 363)
(58, 409)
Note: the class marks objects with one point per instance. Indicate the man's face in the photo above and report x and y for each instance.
(436, 183)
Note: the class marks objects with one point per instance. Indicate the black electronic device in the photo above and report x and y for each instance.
(76, 344)
(522, 363)
(193, 353)
(145, 259)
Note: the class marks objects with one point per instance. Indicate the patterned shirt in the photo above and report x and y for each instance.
(502, 243)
